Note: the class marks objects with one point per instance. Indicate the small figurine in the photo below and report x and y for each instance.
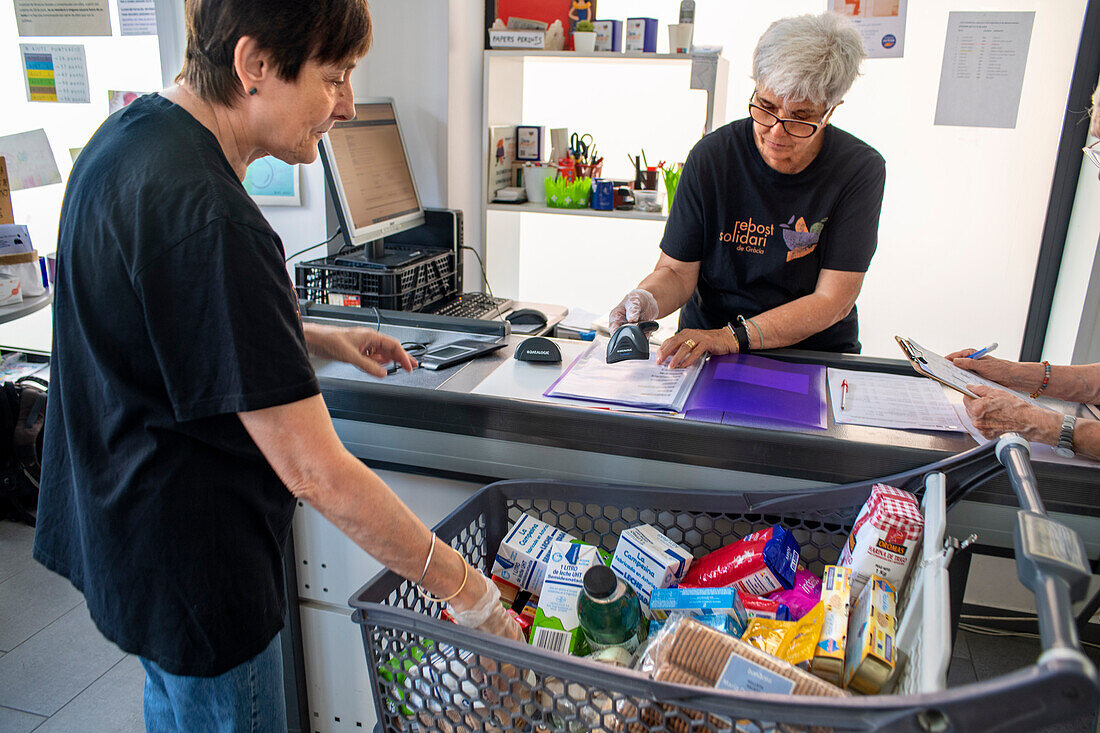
(555, 37)
(579, 10)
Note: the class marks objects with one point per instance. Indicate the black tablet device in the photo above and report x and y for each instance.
(456, 352)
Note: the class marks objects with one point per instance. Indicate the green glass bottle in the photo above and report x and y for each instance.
(609, 611)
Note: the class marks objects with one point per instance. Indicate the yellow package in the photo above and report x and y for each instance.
(828, 661)
(870, 656)
(791, 641)
(766, 634)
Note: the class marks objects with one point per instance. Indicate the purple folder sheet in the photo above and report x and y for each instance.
(741, 389)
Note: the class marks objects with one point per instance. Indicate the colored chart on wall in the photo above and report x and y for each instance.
(55, 73)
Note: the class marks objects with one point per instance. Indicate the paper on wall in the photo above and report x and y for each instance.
(137, 18)
(62, 17)
(30, 160)
(55, 72)
(881, 24)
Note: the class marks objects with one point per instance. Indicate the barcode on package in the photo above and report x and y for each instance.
(551, 639)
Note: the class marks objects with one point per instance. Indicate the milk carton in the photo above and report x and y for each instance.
(556, 625)
(646, 559)
(524, 552)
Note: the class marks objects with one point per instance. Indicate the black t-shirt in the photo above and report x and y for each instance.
(762, 237)
(173, 311)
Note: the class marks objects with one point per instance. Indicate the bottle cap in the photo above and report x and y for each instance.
(599, 581)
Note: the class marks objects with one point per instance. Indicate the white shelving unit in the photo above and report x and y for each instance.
(626, 100)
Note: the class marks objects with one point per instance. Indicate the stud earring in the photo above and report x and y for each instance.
(252, 91)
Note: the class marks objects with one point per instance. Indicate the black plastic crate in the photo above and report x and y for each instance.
(409, 287)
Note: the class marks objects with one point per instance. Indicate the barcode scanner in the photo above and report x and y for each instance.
(630, 341)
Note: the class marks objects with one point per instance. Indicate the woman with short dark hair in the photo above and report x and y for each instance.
(185, 420)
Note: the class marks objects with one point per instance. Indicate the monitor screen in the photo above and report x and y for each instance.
(368, 170)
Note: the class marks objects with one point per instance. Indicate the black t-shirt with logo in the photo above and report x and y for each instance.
(762, 237)
(173, 311)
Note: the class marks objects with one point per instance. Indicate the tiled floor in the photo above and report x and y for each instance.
(58, 674)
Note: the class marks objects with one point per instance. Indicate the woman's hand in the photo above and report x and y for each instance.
(689, 345)
(996, 412)
(364, 348)
(479, 608)
(1012, 374)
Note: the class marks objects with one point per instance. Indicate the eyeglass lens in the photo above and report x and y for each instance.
(794, 128)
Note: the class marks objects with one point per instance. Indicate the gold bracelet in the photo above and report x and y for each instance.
(432, 599)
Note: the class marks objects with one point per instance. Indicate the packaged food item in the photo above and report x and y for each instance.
(757, 607)
(718, 607)
(609, 611)
(836, 588)
(760, 563)
(802, 597)
(521, 559)
(646, 559)
(870, 655)
(792, 641)
(885, 537)
(508, 591)
(556, 626)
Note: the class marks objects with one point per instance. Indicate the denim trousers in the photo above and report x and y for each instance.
(249, 697)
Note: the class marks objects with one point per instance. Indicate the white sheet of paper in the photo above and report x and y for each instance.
(635, 383)
(62, 17)
(948, 372)
(984, 57)
(55, 72)
(891, 401)
(29, 159)
(137, 18)
(880, 25)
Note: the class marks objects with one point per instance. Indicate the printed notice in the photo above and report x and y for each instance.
(881, 24)
(984, 57)
(62, 17)
(137, 18)
(55, 73)
(271, 182)
(29, 160)
(6, 216)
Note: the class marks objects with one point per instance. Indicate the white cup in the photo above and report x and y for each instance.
(534, 180)
(679, 37)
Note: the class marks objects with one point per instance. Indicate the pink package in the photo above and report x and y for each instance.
(802, 597)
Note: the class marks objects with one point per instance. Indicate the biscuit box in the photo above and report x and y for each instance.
(836, 589)
(556, 625)
(521, 559)
(717, 607)
(646, 559)
(870, 655)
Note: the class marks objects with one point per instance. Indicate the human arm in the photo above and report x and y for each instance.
(301, 445)
(995, 412)
(831, 300)
(1075, 383)
(361, 347)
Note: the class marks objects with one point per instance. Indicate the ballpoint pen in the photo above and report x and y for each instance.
(982, 352)
(843, 392)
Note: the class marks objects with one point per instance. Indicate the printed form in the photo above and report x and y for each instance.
(891, 401)
(634, 383)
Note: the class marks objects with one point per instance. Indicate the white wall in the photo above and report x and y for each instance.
(964, 207)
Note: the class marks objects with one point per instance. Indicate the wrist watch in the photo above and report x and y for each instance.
(741, 334)
(1065, 440)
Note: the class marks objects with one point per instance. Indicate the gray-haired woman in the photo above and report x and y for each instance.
(775, 219)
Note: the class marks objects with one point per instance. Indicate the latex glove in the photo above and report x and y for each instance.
(364, 348)
(638, 305)
(487, 614)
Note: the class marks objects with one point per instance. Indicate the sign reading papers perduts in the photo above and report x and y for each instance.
(6, 215)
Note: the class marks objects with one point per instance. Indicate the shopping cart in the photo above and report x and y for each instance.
(431, 675)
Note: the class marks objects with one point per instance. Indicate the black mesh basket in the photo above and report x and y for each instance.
(431, 675)
(411, 287)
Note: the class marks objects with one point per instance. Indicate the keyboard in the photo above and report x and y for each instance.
(472, 305)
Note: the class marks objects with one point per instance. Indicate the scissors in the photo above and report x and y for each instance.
(579, 146)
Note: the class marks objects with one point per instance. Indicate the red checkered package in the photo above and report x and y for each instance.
(886, 535)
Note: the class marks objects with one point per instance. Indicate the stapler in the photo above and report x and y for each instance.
(630, 341)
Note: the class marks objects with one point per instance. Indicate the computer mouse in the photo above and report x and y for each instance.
(526, 317)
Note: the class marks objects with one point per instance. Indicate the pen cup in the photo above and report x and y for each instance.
(534, 180)
(679, 37)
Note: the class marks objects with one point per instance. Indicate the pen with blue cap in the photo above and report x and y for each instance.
(982, 352)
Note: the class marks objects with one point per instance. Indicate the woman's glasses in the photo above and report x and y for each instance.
(794, 128)
(1093, 153)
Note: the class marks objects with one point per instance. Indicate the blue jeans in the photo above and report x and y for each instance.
(248, 697)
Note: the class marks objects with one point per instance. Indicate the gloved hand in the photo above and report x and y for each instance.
(487, 614)
(638, 305)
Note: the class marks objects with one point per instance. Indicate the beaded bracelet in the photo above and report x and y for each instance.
(1046, 380)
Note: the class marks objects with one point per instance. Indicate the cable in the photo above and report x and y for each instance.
(485, 278)
(314, 246)
(1021, 634)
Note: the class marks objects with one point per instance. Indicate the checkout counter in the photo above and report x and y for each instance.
(436, 438)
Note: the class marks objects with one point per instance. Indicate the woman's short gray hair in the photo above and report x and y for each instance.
(813, 58)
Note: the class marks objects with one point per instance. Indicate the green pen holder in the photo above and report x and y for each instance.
(672, 179)
(563, 194)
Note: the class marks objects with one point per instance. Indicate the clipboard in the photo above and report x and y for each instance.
(934, 366)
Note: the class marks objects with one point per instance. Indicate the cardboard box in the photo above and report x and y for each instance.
(557, 626)
(646, 559)
(609, 35)
(525, 551)
(836, 589)
(641, 34)
(871, 654)
(720, 608)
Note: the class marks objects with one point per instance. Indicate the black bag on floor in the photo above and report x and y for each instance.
(22, 414)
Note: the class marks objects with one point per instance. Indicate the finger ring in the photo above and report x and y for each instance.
(690, 343)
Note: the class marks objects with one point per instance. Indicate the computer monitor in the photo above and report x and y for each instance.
(367, 168)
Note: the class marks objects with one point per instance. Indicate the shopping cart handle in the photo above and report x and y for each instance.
(1050, 557)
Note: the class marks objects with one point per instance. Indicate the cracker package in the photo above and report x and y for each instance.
(870, 656)
(885, 537)
(836, 589)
